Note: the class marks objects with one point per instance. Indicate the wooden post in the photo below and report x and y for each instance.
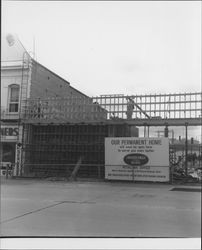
(186, 149)
(7, 169)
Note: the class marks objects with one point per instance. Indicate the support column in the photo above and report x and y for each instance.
(186, 148)
(145, 131)
(166, 131)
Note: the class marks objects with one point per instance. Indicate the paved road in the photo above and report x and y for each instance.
(100, 209)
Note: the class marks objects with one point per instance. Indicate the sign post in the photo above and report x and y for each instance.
(137, 159)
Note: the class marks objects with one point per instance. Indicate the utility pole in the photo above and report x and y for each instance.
(186, 148)
(166, 131)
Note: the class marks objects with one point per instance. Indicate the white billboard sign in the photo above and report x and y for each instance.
(133, 158)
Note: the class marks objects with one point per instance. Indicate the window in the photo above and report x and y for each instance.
(14, 90)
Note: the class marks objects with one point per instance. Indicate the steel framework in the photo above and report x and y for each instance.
(153, 110)
(156, 106)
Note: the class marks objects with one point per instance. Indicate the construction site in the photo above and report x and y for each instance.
(51, 129)
(65, 137)
(101, 125)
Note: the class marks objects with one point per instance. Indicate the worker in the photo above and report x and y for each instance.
(130, 108)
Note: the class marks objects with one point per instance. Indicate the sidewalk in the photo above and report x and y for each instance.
(26, 180)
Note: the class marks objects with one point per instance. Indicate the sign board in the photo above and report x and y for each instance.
(9, 132)
(6, 169)
(133, 158)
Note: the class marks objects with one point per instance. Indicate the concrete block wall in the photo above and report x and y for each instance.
(45, 83)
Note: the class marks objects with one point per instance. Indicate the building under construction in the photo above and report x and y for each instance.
(49, 128)
(61, 133)
(64, 134)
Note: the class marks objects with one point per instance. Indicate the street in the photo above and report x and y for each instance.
(98, 209)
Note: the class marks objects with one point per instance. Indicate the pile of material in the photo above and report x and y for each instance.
(193, 175)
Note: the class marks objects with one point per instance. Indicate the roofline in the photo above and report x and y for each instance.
(80, 92)
(59, 77)
(50, 71)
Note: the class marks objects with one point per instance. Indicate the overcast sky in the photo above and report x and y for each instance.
(113, 47)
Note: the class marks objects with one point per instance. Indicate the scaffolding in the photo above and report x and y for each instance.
(61, 110)
(63, 136)
(153, 106)
(149, 108)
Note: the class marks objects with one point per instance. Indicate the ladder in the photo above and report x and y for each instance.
(26, 61)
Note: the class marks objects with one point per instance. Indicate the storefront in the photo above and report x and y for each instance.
(11, 137)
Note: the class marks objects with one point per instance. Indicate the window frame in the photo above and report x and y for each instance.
(10, 102)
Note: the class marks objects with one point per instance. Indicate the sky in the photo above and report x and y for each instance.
(113, 47)
(109, 47)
